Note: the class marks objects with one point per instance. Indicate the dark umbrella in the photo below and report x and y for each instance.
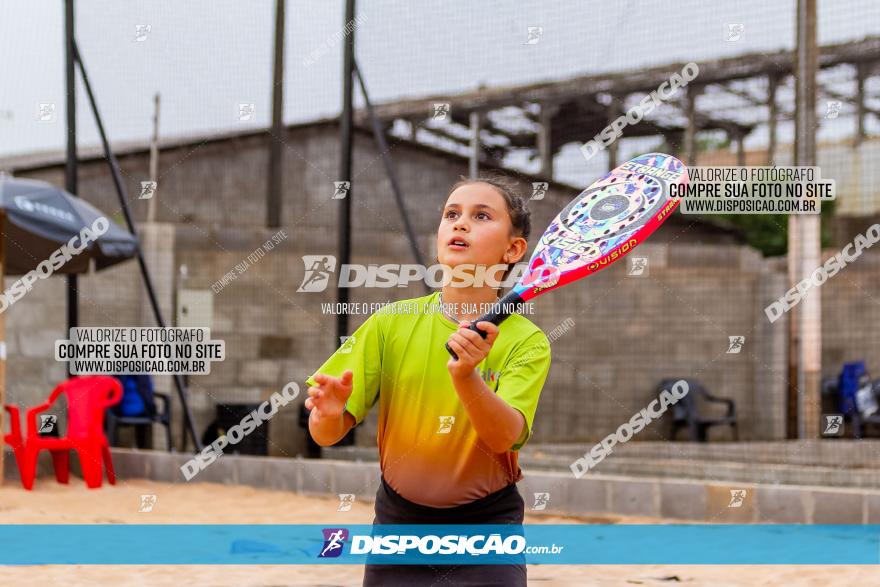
(40, 217)
(36, 221)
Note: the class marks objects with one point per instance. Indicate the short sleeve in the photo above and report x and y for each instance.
(523, 378)
(361, 354)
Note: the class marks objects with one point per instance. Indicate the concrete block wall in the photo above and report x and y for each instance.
(275, 335)
(594, 495)
(629, 332)
(33, 324)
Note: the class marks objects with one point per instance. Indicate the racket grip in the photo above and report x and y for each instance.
(509, 304)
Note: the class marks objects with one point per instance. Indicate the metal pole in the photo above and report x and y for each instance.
(861, 74)
(154, 159)
(474, 161)
(740, 139)
(545, 139)
(613, 113)
(345, 155)
(690, 133)
(70, 169)
(807, 238)
(772, 86)
(122, 193)
(794, 401)
(273, 198)
(382, 145)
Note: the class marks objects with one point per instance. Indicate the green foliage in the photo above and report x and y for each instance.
(769, 232)
(766, 232)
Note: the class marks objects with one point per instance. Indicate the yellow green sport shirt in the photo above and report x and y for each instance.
(428, 450)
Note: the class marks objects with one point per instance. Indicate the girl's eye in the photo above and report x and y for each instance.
(482, 216)
(450, 214)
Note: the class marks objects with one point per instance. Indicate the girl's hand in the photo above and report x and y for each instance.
(328, 399)
(470, 347)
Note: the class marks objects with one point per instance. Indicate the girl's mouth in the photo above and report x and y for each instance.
(458, 244)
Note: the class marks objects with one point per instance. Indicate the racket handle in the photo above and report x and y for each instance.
(509, 304)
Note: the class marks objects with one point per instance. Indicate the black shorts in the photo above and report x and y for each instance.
(502, 507)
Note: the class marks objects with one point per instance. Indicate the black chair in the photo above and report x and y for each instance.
(686, 413)
(143, 424)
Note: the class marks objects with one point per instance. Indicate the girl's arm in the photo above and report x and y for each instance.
(329, 431)
(497, 424)
(328, 420)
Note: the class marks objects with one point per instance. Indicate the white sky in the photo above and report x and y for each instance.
(206, 57)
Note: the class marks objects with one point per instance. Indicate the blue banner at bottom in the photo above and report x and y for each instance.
(548, 544)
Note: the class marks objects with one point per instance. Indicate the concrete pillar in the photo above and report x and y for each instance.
(861, 74)
(613, 113)
(772, 85)
(806, 239)
(740, 148)
(690, 133)
(474, 162)
(157, 241)
(545, 144)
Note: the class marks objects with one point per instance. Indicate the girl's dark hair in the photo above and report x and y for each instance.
(520, 216)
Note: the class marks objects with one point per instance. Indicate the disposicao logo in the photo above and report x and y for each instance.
(334, 539)
(320, 268)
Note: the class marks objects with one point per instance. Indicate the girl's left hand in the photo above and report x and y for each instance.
(470, 347)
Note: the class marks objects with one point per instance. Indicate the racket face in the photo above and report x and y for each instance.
(603, 223)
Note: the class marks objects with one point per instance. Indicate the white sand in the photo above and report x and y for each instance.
(51, 503)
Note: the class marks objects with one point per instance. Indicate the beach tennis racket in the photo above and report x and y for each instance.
(600, 226)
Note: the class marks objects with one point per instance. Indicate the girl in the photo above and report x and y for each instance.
(449, 430)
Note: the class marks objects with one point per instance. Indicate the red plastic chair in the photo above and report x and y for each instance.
(13, 439)
(87, 398)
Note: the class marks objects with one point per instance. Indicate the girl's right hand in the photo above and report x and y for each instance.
(327, 400)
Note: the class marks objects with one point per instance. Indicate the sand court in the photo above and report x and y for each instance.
(209, 503)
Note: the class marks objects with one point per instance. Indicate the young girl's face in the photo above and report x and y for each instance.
(476, 228)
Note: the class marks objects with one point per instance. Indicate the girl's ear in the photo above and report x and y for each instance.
(516, 251)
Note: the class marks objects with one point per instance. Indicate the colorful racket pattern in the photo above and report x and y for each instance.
(605, 222)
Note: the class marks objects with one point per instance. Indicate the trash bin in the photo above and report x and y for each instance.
(229, 415)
